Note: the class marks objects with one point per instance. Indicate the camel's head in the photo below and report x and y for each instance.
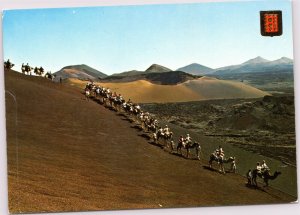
(277, 173)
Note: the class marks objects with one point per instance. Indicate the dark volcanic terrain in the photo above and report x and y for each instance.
(265, 126)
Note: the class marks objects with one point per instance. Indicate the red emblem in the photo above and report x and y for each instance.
(271, 23)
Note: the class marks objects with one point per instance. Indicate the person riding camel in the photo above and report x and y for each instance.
(264, 166)
(41, 70)
(181, 140)
(36, 70)
(167, 130)
(160, 131)
(8, 64)
(258, 168)
(155, 122)
(120, 97)
(188, 140)
(219, 153)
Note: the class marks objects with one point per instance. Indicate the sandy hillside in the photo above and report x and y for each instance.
(194, 90)
(212, 88)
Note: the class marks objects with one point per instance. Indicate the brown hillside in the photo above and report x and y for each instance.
(69, 154)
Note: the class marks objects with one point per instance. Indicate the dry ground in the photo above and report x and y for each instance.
(69, 154)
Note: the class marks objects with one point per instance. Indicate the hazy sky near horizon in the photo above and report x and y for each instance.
(114, 39)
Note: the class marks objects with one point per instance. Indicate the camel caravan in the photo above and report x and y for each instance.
(27, 70)
(160, 135)
(148, 123)
(163, 136)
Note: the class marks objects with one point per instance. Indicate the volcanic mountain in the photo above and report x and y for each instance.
(154, 68)
(155, 74)
(256, 65)
(82, 72)
(196, 69)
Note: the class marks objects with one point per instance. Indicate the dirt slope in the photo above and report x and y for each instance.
(69, 154)
(212, 88)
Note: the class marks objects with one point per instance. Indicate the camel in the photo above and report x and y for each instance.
(220, 161)
(265, 175)
(119, 103)
(50, 76)
(168, 136)
(188, 146)
(8, 64)
(26, 69)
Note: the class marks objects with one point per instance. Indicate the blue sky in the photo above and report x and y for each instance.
(114, 39)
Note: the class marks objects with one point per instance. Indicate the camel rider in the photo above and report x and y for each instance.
(258, 168)
(98, 90)
(36, 70)
(181, 140)
(160, 131)
(264, 166)
(41, 70)
(129, 101)
(138, 107)
(155, 123)
(219, 153)
(27, 67)
(120, 97)
(8, 64)
(188, 139)
(167, 130)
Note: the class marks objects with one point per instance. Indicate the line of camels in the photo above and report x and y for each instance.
(26, 70)
(148, 124)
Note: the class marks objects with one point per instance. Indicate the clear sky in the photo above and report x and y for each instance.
(114, 39)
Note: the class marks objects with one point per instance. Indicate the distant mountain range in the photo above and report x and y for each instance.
(163, 75)
(257, 65)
